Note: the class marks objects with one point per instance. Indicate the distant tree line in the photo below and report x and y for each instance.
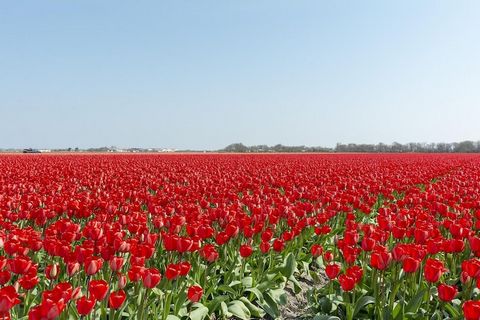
(239, 147)
(454, 147)
(442, 147)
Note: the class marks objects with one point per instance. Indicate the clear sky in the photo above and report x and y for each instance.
(204, 74)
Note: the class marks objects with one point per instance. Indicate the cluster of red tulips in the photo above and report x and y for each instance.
(201, 236)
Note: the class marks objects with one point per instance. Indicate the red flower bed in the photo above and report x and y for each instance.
(191, 236)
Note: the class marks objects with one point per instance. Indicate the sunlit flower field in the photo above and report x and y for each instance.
(220, 236)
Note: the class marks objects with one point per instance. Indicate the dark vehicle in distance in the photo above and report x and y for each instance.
(30, 150)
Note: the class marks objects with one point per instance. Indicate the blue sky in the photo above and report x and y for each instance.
(204, 74)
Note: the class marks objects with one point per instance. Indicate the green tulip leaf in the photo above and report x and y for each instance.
(254, 310)
(238, 309)
(290, 265)
(199, 312)
(361, 303)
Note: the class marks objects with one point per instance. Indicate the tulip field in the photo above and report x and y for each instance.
(237, 236)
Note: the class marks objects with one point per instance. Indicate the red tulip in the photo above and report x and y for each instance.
(245, 250)
(221, 238)
(368, 244)
(267, 235)
(471, 310)
(355, 272)
(19, 265)
(51, 271)
(28, 282)
(185, 267)
(351, 237)
(209, 253)
(93, 265)
(116, 263)
(50, 307)
(328, 256)
(172, 272)
(85, 305)
(446, 293)
(72, 268)
(77, 293)
(332, 270)
(433, 270)
(399, 252)
(151, 278)
(8, 299)
(232, 230)
(116, 299)
(347, 283)
(98, 288)
(184, 245)
(316, 250)
(471, 267)
(4, 277)
(380, 259)
(3, 261)
(410, 265)
(66, 290)
(195, 293)
(264, 247)
(464, 277)
(474, 243)
(47, 309)
(278, 245)
(135, 273)
(122, 281)
(137, 261)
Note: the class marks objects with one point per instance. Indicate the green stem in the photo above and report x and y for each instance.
(348, 307)
(427, 297)
(382, 295)
(142, 304)
(375, 292)
(166, 309)
(26, 305)
(395, 286)
(112, 314)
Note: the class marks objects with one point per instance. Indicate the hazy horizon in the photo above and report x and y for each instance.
(223, 147)
(203, 75)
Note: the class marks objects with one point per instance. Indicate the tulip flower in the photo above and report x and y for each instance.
(4, 277)
(151, 278)
(116, 263)
(195, 293)
(135, 273)
(116, 299)
(264, 247)
(85, 305)
(93, 265)
(51, 271)
(434, 269)
(245, 251)
(471, 310)
(19, 265)
(98, 289)
(278, 245)
(410, 265)
(316, 250)
(172, 272)
(184, 267)
(332, 270)
(347, 283)
(446, 293)
(8, 299)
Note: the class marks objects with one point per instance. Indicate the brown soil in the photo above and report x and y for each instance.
(297, 304)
